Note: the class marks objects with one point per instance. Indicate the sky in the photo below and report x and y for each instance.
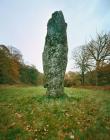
(23, 24)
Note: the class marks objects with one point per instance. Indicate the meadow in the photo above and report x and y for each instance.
(27, 114)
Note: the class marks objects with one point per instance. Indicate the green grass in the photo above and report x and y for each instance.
(27, 114)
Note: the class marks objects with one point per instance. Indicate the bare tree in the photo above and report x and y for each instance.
(99, 51)
(81, 58)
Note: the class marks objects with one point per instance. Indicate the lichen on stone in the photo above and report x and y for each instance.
(55, 54)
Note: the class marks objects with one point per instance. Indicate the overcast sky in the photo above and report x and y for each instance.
(23, 24)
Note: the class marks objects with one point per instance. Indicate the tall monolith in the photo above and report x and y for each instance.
(55, 55)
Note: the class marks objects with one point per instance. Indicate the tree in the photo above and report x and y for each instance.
(104, 75)
(40, 80)
(99, 51)
(16, 60)
(4, 64)
(28, 74)
(10, 59)
(81, 59)
(71, 79)
(12, 68)
(33, 75)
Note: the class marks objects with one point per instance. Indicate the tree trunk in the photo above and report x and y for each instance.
(97, 72)
(83, 79)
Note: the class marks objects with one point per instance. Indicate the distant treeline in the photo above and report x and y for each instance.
(75, 78)
(93, 61)
(14, 71)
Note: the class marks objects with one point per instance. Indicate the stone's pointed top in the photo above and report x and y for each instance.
(56, 23)
(58, 15)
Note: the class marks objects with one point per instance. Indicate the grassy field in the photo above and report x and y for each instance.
(27, 114)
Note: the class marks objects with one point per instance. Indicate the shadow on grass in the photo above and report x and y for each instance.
(65, 97)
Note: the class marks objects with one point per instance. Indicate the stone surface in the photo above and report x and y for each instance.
(55, 54)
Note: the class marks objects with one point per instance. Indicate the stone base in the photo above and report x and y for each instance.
(55, 92)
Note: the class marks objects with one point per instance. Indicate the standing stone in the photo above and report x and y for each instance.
(55, 55)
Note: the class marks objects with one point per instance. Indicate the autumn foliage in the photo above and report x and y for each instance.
(13, 70)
